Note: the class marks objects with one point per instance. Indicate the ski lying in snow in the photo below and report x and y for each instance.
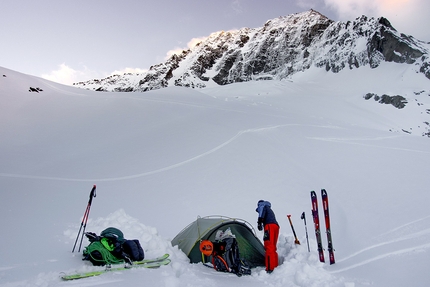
(317, 225)
(327, 225)
(155, 264)
(157, 259)
(147, 263)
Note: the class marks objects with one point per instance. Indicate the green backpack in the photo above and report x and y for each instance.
(111, 248)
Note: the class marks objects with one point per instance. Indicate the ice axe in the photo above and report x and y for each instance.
(296, 241)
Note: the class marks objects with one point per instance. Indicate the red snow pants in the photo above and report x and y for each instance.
(271, 233)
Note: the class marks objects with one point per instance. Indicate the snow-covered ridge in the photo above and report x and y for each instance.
(281, 48)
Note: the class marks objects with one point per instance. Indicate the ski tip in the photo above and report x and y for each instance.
(288, 215)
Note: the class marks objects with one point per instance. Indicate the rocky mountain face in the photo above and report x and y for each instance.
(282, 47)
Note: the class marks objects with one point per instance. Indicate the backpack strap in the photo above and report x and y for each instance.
(106, 256)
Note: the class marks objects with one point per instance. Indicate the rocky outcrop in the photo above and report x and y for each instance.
(282, 47)
(397, 100)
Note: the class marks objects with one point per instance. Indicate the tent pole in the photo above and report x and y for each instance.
(200, 237)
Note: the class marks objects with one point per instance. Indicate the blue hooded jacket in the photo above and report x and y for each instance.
(266, 213)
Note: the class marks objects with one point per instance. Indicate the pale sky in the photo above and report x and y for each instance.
(70, 41)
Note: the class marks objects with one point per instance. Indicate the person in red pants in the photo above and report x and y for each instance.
(267, 220)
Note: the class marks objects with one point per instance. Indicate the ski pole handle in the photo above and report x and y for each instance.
(92, 194)
(303, 217)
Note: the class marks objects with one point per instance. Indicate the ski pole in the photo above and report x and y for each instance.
(85, 219)
(296, 241)
(306, 229)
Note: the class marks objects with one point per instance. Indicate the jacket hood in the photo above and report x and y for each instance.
(263, 203)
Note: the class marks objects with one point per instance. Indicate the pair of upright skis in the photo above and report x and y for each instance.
(315, 216)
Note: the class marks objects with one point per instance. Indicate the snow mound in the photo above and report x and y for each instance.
(298, 266)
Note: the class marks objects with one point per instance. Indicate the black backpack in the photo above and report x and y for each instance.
(133, 249)
(226, 257)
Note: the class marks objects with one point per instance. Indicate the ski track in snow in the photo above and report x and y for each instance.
(382, 256)
(235, 137)
(354, 141)
(145, 173)
(419, 248)
(63, 91)
(6, 268)
(404, 225)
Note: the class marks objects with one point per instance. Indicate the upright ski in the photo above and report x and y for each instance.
(317, 224)
(327, 225)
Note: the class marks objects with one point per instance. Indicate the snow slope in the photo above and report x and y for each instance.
(162, 158)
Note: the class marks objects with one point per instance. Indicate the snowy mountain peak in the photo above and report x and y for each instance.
(308, 18)
(282, 47)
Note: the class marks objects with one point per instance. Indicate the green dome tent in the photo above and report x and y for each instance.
(204, 228)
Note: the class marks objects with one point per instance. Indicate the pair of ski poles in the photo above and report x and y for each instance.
(296, 241)
(85, 219)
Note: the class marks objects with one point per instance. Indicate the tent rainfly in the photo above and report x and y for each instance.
(204, 228)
